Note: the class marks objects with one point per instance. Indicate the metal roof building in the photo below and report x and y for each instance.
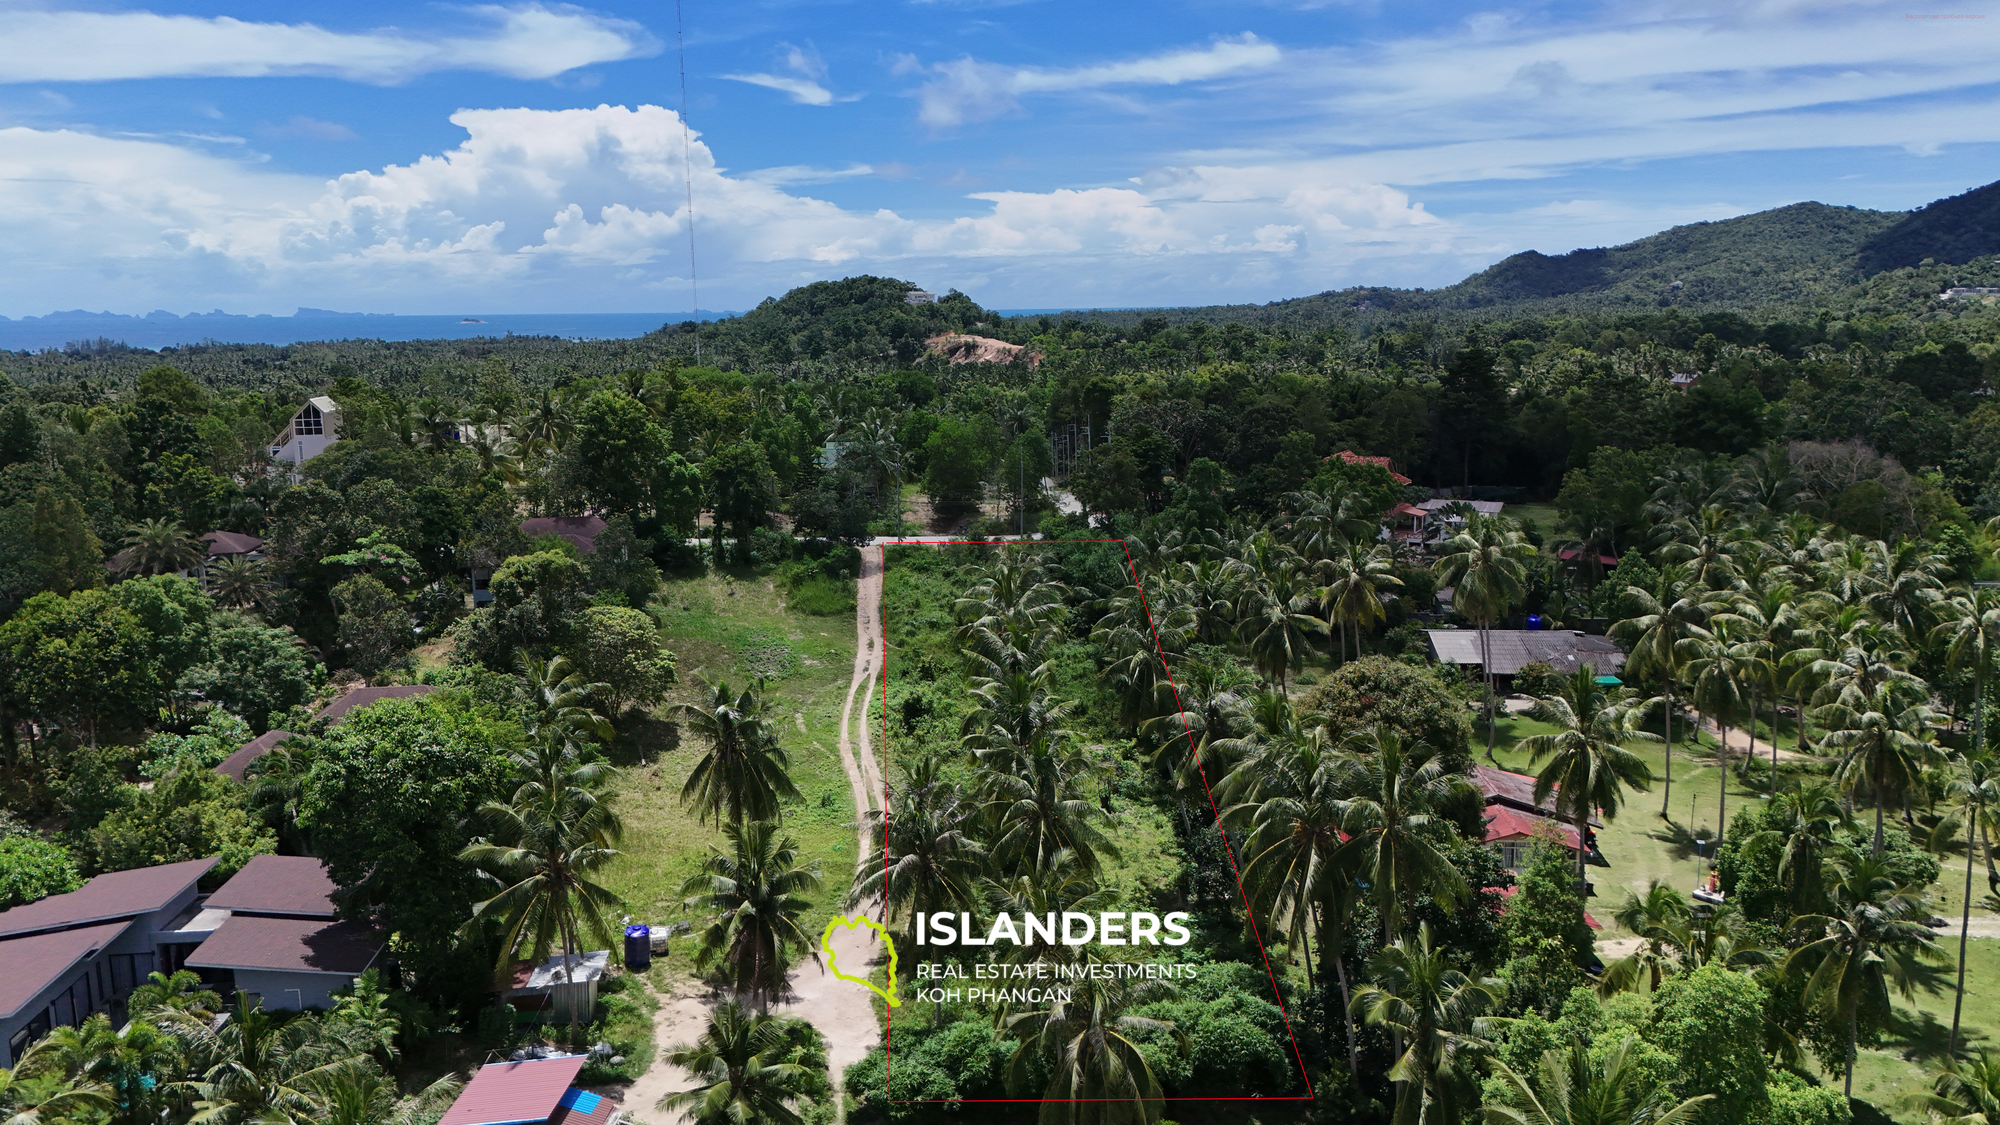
(1514, 649)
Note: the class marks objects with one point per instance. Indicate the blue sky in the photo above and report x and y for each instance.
(433, 158)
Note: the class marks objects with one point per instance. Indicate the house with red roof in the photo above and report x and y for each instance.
(1516, 822)
(531, 1092)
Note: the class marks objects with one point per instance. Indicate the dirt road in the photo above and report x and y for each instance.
(842, 1011)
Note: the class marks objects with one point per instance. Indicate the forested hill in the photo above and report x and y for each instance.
(1791, 259)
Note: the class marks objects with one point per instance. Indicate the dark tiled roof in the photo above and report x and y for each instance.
(237, 764)
(278, 884)
(118, 894)
(514, 1092)
(231, 543)
(355, 700)
(35, 961)
(289, 945)
(579, 530)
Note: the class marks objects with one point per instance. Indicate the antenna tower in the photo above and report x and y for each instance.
(687, 175)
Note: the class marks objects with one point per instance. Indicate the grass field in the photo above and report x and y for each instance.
(728, 627)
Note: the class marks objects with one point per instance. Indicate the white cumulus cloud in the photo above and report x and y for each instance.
(586, 207)
(521, 41)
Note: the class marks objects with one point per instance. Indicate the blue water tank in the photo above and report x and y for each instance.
(638, 947)
(1534, 621)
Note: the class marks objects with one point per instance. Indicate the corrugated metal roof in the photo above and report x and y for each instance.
(513, 1093)
(117, 894)
(1505, 823)
(35, 961)
(289, 945)
(581, 1107)
(1514, 649)
(1517, 789)
(278, 884)
(238, 764)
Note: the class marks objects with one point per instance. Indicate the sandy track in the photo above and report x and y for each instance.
(842, 1011)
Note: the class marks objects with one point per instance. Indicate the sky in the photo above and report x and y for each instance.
(535, 157)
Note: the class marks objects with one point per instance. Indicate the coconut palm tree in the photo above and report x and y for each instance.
(933, 859)
(1353, 596)
(544, 852)
(745, 1077)
(1971, 629)
(1588, 767)
(1098, 1073)
(745, 773)
(1886, 743)
(159, 546)
(364, 1098)
(1035, 800)
(1656, 636)
(254, 1067)
(26, 1103)
(1486, 566)
(124, 1062)
(1655, 919)
(1718, 672)
(1869, 942)
(1976, 792)
(1574, 1092)
(1802, 822)
(754, 895)
(1963, 1091)
(1392, 820)
(240, 582)
(1274, 620)
(1436, 1010)
(557, 703)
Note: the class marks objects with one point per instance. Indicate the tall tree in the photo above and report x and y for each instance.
(1870, 941)
(1098, 1073)
(1486, 568)
(1588, 767)
(1572, 1091)
(1976, 792)
(1393, 821)
(754, 896)
(1657, 634)
(1436, 1010)
(544, 853)
(742, 1073)
(745, 772)
(1885, 740)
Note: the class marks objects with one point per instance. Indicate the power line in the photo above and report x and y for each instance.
(687, 174)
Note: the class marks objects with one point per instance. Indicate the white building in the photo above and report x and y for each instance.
(311, 430)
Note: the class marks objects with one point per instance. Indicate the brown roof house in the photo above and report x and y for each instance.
(270, 931)
(581, 531)
(236, 765)
(66, 957)
(531, 1092)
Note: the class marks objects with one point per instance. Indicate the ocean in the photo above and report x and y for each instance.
(161, 330)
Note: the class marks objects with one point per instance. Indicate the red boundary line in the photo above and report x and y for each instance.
(888, 1037)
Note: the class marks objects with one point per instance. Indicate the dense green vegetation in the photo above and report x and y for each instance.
(1787, 544)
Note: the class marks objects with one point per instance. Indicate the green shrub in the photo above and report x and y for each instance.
(824, 597)
(33, 868)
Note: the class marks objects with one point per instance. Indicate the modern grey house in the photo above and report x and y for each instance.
(66, 957)
(272, 933)
(269, 931)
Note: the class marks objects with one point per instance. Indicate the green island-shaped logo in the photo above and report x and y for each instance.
(826, 946)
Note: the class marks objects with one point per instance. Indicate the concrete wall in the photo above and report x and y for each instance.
(315, 990)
